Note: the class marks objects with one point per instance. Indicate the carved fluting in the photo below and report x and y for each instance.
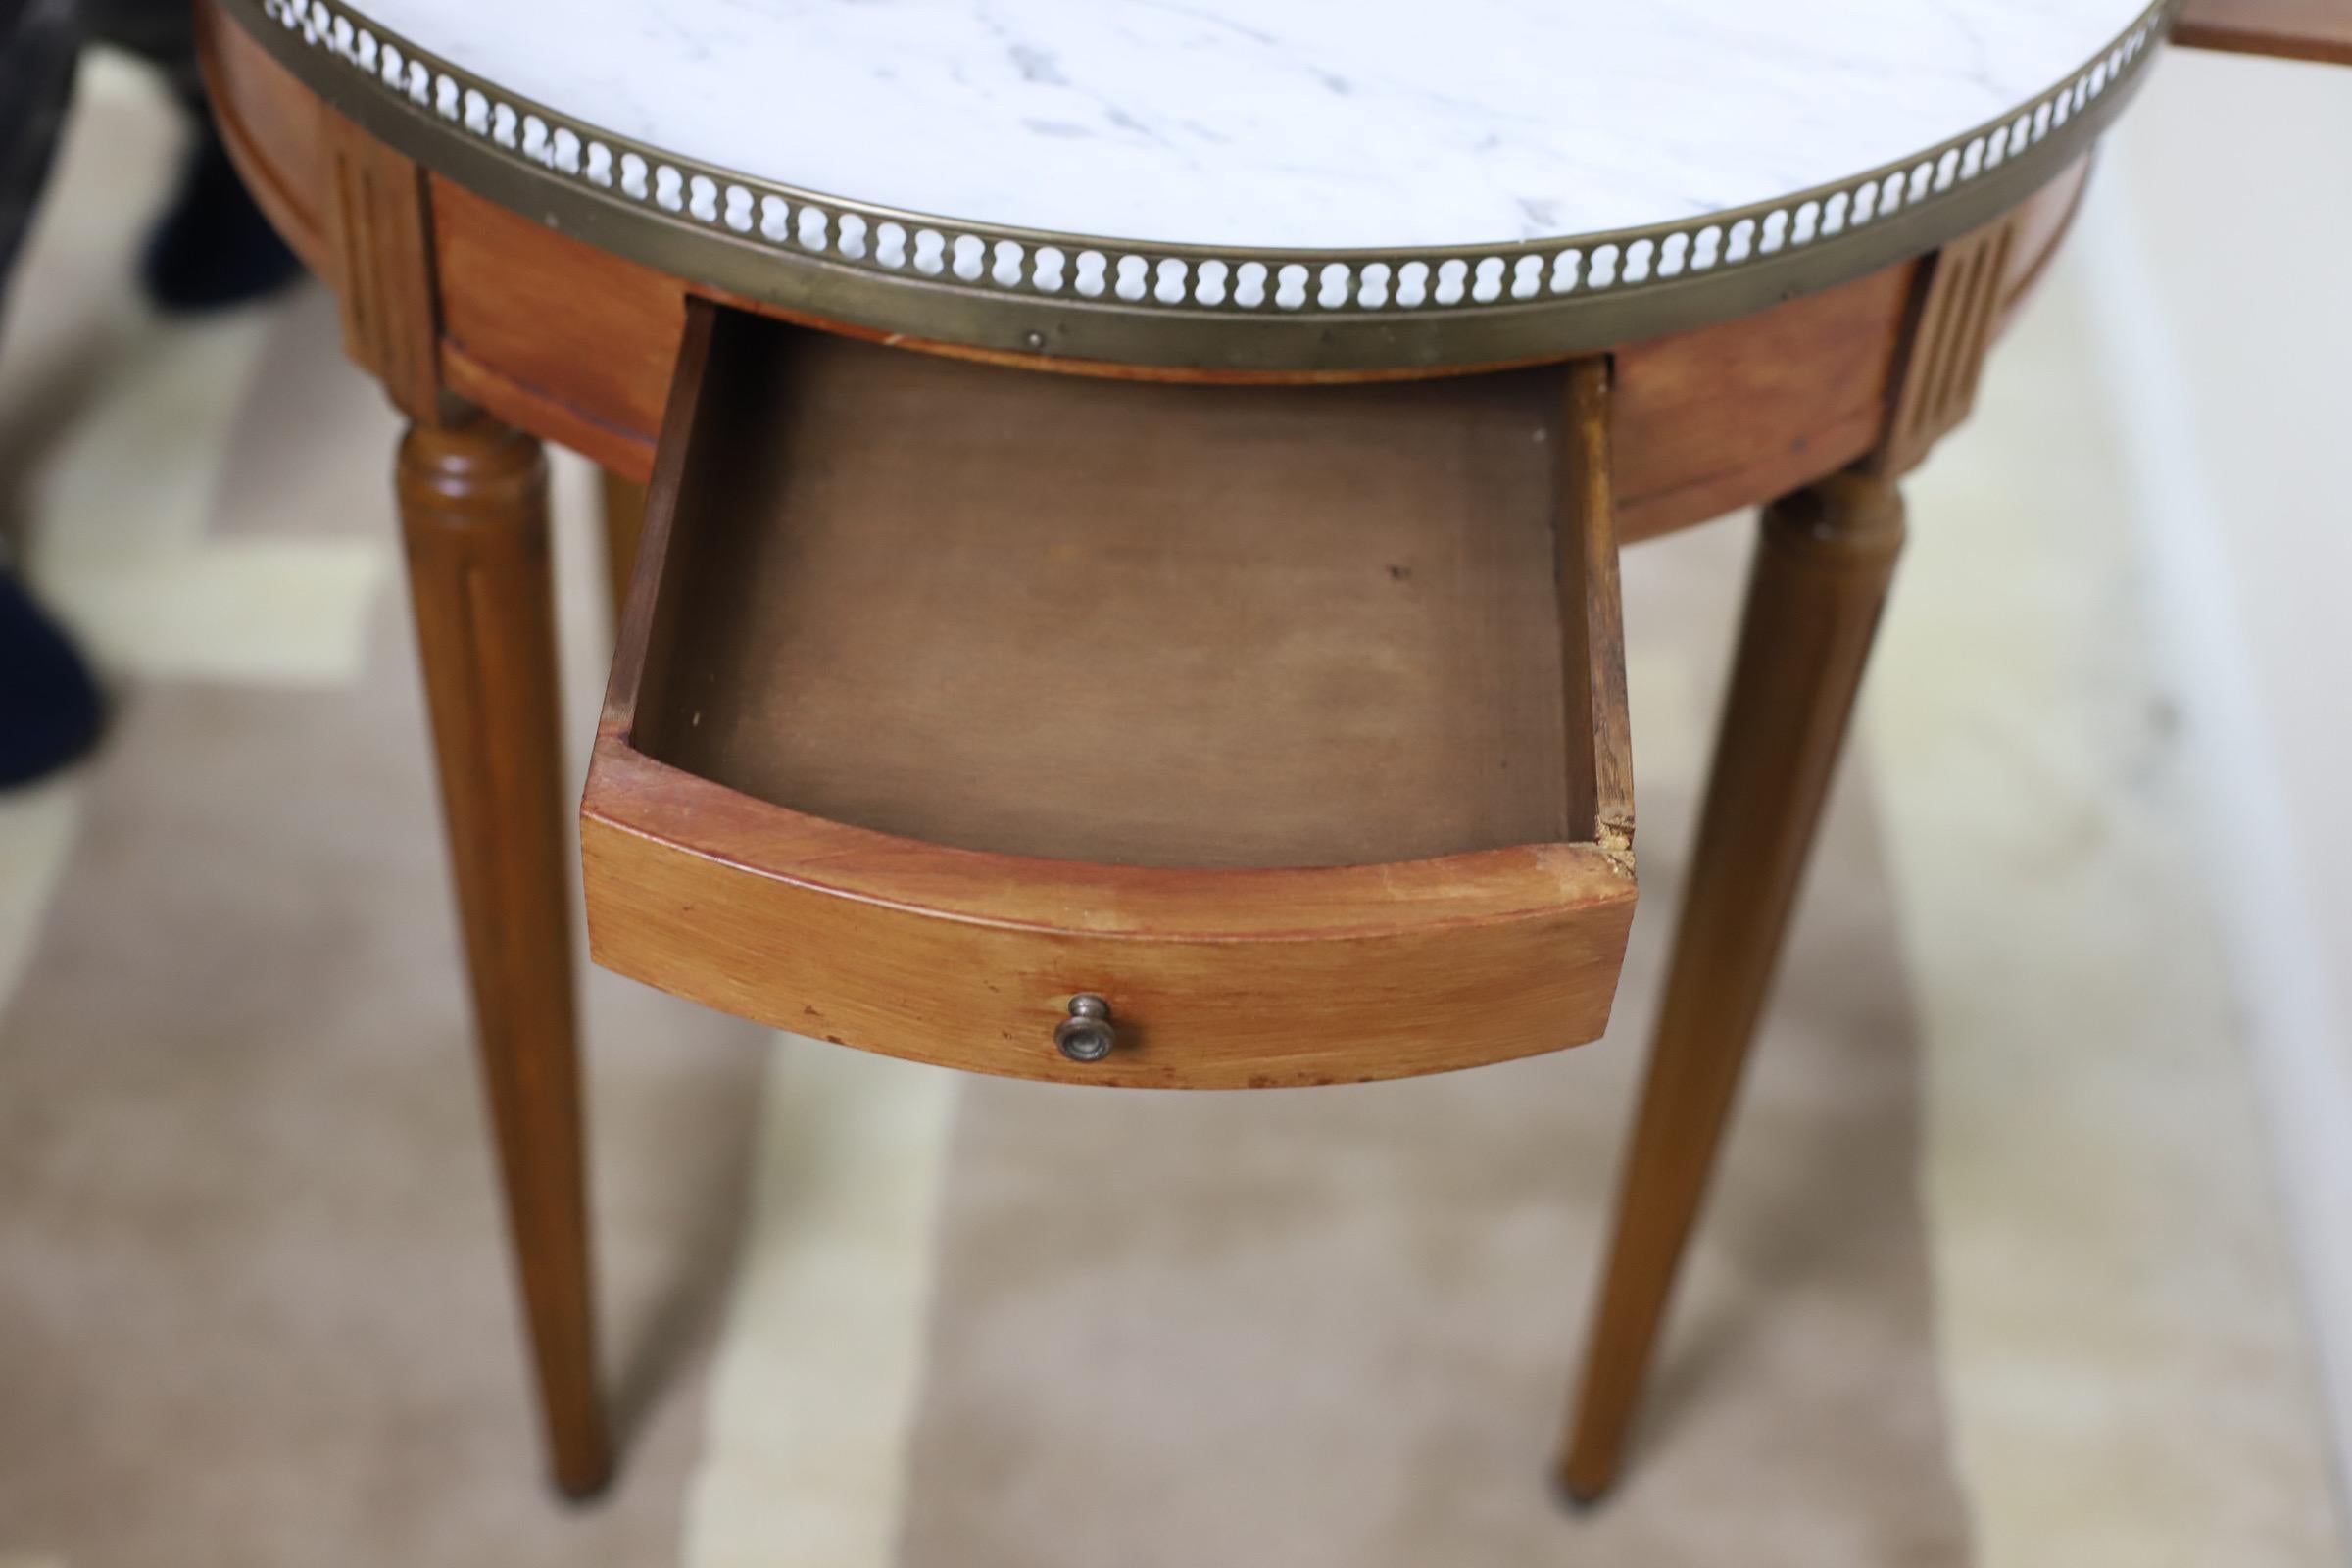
(1960, 296)
(379, 242)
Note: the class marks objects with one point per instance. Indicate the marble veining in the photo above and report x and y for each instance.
(1280, 122)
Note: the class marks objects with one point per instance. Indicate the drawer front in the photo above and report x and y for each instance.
(1383, 972)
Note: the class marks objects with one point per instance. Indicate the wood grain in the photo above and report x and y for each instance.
(2042, 225)
(1600, 802)
(1823, 563)
(1158, 625)
(473, 515)
(1243, 708)
(1957, 299)
(2319, 31)
(621, 501)
(379, 243)
(1713, 420)
(1332, 977)
(552, 335)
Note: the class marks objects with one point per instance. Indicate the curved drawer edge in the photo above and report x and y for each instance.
(1216, 979)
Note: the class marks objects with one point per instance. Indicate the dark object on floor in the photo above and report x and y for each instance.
(39, 42)
(213, 248)
(49, 706)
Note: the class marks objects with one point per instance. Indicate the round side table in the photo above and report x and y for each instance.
(1365, 345)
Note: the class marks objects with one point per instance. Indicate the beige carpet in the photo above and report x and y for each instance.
(2129, 1352)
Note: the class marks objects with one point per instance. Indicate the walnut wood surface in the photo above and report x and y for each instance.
(2292, 29)
(1958, 296)
(379, 241)
(959, 694)
(1152, 624)
(474, 513)
(1823, 562)
(1592, 614)
(621, 501)
(554, 335)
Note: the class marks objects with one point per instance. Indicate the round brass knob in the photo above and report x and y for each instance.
(1086, 1035)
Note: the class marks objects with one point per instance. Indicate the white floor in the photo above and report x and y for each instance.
(117, 546)
(2223, 332)
(2114, 1283)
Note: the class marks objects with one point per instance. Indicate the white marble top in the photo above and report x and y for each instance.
(1280, 122)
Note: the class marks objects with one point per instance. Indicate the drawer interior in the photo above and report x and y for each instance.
(1154, 625)
(1260, 736)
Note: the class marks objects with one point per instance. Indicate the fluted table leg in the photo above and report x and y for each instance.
(1821, 574)
(474, 513)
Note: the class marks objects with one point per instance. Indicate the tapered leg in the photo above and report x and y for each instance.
(474, 512)
(1820, 576)
(624, 521)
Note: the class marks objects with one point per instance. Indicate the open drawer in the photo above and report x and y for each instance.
(1286, 726)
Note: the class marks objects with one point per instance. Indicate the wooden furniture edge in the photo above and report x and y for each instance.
(2317, 32)
(640, 795)
(624, 452)
(1255, 1011)
(1601, 804)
